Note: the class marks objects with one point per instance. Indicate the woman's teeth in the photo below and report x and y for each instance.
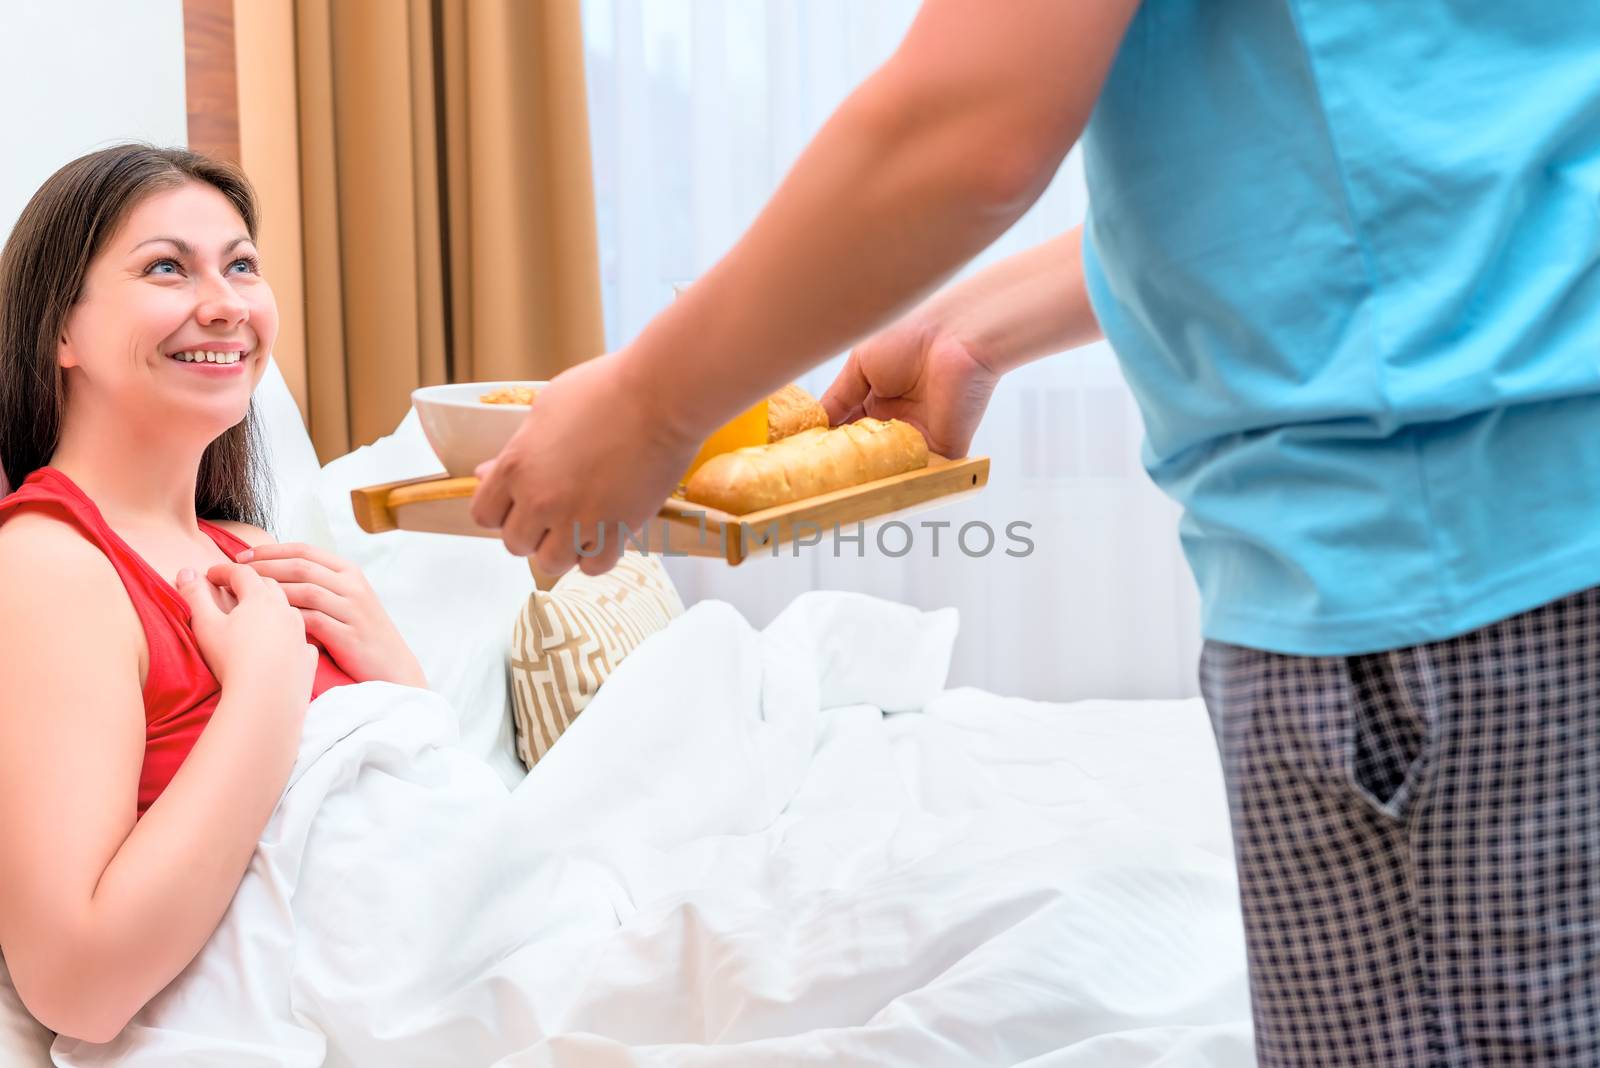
(199, 356)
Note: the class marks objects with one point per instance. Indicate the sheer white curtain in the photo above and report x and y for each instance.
(698, 108)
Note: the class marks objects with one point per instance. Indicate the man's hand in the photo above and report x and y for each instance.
(937, 367)
(919, 371)
(596, 452)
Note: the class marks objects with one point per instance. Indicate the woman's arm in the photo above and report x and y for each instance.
(98, 912)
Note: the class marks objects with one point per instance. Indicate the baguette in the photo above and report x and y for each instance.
(791, 410)
(814, 461)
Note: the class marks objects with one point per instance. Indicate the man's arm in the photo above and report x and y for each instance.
(937, 367)
(1032, 305)
(930, 160)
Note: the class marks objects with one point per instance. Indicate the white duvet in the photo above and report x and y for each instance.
(790, 847)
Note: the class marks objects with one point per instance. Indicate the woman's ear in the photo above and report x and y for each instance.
(65, 357)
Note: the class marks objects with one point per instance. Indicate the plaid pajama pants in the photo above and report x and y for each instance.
(1417, 834)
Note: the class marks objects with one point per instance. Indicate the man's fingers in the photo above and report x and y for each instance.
(492, 501)
(555, 554)
(522, 530)
(604, 560)
(878, 407)
(848, 390)
(916, 413)
(601, 544)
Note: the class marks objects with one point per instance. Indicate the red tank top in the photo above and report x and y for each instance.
(179, 691)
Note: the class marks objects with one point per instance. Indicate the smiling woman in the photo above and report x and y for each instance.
(63, 273)
(134, 326)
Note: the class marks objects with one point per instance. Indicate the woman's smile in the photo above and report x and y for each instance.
(220, 362)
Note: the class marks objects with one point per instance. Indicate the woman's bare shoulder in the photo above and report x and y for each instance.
(34, 541)
(245, 532)
(60, 586)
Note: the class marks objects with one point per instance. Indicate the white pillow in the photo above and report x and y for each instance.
(452, 597)
(24, 1041)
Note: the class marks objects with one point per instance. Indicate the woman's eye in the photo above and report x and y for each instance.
(161, 267)
(249, 263)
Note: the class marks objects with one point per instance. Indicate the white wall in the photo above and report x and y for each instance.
(76, 75)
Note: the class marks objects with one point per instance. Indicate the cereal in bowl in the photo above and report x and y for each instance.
(509, 395)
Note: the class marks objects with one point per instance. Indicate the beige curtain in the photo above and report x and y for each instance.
(440, 196)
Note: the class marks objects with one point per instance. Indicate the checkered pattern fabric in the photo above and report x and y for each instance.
(1418, 840)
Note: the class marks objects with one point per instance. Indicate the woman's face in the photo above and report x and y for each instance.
(175, 321)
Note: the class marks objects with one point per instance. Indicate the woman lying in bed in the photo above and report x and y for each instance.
(159, 649)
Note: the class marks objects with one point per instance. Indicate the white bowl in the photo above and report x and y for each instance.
(463, 430)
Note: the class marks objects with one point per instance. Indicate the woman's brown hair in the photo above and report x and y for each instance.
(57, 236)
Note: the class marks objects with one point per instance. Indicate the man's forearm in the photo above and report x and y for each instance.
(1022, 308)
(923, 167)
(899, 218)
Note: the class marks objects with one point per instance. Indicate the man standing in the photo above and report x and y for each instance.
(1349, 258)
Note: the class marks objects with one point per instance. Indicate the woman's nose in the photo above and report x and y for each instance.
(220, 303)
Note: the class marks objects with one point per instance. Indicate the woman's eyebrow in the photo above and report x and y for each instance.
(186, 249)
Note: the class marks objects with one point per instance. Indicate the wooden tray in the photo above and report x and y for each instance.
(439, 504)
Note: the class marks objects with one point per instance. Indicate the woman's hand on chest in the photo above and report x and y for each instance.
(340, 610)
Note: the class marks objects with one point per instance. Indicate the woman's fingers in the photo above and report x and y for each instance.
(309, 595)
(301, 569)
(197, 594)
(323, 627)
(239, 578)
(294, 549)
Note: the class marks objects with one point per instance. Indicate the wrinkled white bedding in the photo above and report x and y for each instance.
(734, 857)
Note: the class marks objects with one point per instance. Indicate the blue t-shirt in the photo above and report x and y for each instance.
(1348, 254)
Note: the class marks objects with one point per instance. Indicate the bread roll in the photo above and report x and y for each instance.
(791, 410)
(816, 460)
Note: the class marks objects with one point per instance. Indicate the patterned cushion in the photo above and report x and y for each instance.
(569, 639)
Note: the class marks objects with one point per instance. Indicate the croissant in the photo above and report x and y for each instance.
(791, 410)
